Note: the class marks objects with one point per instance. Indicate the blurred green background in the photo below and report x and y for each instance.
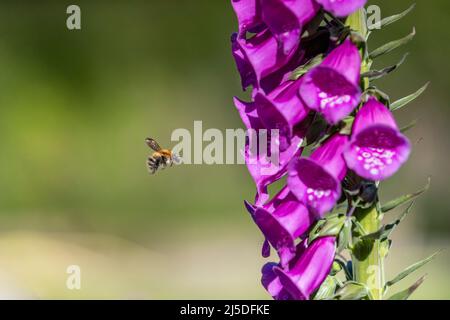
(76, 106)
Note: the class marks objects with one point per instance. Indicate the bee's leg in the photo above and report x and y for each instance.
(151, 163)
(158, 162)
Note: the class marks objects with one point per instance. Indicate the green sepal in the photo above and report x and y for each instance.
(327, 289)
(390, 46)
(405, 294)
(377, 74)
(345, 236)
(384, 232)
(391, 19)
(303, 69)
(404, 199)
(380, 95)
(384, 248)
(410, 270)
(404, 101)
(330, 226)
(352, 291)
(347, 125)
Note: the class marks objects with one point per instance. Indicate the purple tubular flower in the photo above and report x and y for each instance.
(282, 221)
(310, 269)
(249, 16)
(316, 180)
(377, 148)
(332, 88)
(342, 8)
(282, 109)
(260, 162)
(257, 57)
(285, 19)
(270, 280)
(272, 283)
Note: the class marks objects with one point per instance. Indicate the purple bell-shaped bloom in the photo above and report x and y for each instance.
(271, 282)
(265, 159)
(342, 8)
(377, 148)
(286, 18)
(248, 13)
(309, 271)
(316, 180)
(282, 220)
(332, 88)
(257, 57)
(282, 109)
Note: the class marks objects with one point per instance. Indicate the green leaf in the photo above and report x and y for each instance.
(352, 291)
(405, 294)
(388, 47)
(404, 199)
(297, 73)
(386, 230)
(389, 20)
(408, 126)
(331, 226)
(326, 290)
(377, 74)
(411, 269)
(404, 101)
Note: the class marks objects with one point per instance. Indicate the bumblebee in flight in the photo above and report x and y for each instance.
(161, 158)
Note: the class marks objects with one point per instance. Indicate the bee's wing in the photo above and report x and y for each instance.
(153, 144)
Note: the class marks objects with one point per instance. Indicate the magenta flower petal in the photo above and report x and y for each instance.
(283, 226)
(282, 220)
(373, 112)
(282, 110)
(285, 19)
(248, 14)
(270, 280)
(286, 99)
(258, 57)
(272, 283)
(248, 77)
(333, 87)
(310, 270)
(377, 149)
(265, 250)
(342, 8)
(261, 165)
(316, 180)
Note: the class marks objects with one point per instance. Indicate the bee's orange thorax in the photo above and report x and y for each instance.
(166, 152)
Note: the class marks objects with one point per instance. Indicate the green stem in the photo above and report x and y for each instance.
(368, 263)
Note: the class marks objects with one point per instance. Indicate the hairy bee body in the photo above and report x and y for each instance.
(161, 158)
